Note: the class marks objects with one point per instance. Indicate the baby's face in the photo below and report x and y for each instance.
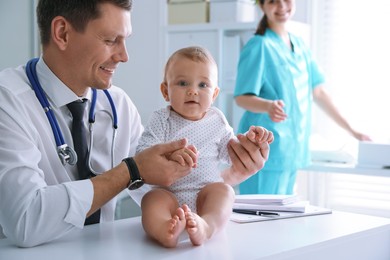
(191, 87)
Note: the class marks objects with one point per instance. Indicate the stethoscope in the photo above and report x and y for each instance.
(66, 153)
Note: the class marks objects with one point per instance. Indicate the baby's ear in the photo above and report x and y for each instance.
(164, 90)
(216, 92)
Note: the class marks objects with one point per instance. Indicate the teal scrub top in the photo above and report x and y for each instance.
(269, 69)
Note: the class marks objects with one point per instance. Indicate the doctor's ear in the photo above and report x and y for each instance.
(164, 91)
(60, 28)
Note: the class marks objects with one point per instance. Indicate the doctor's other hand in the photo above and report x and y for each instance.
(276, 111)
(155, 167)
(247, 158)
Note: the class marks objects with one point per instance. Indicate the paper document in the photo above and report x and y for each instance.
(275, 199)
(310, 211)
(300, 206)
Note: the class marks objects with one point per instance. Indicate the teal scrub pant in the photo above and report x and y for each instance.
(270, 182)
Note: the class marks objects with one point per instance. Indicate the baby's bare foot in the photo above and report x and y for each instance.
(174, 228)
(196, 227)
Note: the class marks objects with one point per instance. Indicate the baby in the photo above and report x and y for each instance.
(201, 202)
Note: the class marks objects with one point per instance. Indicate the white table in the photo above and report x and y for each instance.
(338, 235)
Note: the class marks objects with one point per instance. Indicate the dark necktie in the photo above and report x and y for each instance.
(80, 145)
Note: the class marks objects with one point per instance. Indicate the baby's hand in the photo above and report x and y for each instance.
(186, 156)
(259, 135)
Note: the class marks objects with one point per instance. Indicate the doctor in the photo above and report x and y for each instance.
(41, 194)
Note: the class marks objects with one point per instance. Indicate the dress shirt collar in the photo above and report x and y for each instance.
(56, 91)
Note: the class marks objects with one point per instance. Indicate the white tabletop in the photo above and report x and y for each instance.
(333, 236)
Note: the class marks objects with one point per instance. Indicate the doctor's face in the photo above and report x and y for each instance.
(95, 53)
(190, 87)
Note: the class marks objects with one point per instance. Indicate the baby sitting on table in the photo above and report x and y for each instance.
(201, 202)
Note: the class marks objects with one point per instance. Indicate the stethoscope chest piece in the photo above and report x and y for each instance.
(67, 154)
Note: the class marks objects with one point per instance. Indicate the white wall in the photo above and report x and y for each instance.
(16, 27)
(141, 76)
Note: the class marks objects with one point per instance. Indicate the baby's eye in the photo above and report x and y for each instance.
(203, 85)
(183, 83)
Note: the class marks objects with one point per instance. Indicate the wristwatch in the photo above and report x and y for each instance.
(136, 180)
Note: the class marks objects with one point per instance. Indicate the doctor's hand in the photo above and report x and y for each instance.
(156, 168)
(247, 159)
(188, 155)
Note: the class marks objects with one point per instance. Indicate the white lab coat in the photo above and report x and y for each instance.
(39, 197)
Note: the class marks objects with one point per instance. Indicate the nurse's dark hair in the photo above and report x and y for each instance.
(194, 53)
(263, 24)
(77, 12)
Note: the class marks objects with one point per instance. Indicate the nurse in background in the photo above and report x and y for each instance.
(277, 79)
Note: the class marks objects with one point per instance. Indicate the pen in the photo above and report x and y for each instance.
(255, 212)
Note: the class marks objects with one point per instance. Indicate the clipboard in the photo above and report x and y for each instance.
(310, 211)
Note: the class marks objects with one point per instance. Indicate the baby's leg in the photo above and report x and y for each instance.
(214, 206)
(197, 228)
(162, 218)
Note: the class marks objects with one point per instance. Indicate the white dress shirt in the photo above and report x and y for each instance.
(39, 197)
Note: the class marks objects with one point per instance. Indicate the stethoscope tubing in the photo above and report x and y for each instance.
(32, 76)
(91, 146)
(62, 147)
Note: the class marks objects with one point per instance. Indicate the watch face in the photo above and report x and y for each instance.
(136, 184)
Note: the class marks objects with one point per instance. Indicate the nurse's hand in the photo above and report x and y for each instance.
(155, 167)
(361, 137)
(276, 111)
(247, 159)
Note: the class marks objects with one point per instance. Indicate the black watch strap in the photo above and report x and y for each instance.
(135, 179)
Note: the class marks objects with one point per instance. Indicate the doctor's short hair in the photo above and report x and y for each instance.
(194, 53)
(77, 12)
